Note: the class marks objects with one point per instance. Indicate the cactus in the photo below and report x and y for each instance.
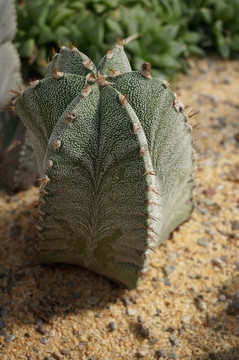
(115, 154)
(17, 166)
(9, 58)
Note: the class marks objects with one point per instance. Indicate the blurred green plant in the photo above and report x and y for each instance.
(172, 30)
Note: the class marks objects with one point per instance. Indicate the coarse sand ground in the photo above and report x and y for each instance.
(188, 305)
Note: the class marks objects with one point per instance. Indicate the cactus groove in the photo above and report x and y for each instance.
(115, 154)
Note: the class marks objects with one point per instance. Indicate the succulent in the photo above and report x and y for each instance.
(9, 58)
(17, 165)
(115, 155)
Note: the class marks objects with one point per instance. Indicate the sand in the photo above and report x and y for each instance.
(187, 307)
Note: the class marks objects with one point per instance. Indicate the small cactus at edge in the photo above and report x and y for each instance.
(115, 155)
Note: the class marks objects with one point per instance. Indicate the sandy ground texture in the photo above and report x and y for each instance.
(188, 305)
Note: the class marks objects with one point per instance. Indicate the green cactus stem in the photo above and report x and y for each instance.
(115, 154)
(17, 166)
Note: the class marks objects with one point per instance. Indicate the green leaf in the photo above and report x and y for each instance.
(27, 48)
(191, 37)
(59, 18)
(207, 14)
(46, 35)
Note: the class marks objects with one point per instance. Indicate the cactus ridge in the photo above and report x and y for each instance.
(115, 154)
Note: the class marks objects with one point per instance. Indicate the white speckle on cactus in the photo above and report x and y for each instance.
(74, 50)
(101, 80)
(86, 91)
(57, 74)
(88, 64)
(145, 70)
(62, 48)
(90, 78)
(136, 128)
(142, 151)
(39, 228)
(49, 164)
(110, 54)
(44, 181)
(149, 172)
(123, 99)
(42, 213)
(114, 73)
(165, 83)
(34, 83)
(56, 144)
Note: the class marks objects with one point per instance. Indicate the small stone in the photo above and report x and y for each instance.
(214, 99)
(144, 330)
(41, 329)
(168, 269)
(218, 262)
(142, 354)
(233, 307)
(76, 295)
(43, 340)
(201, 304)
(167, 281)
(158, 312)
(224, 258)
(140, 319)
(227, 80)
(2, 324)
(172, 257)
(113, 325)
(222, 297)
(235, 225)
(154, 341)
(161, 353)
(174, 341)
(65, 351)
(52, 333)
(203, 211)
(57, 356)
(98, 315)
(236, 137)
(38, 321)
(93, 300)
(10, 338)
(222, 121)
(203, 241)
(48, 358)
(170, 329)
(173, 355)
(130, 311)
(125, 301)
(80, 332)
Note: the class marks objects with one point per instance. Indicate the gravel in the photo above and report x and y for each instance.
(2, 324)
(93, 300)
(10, 338)
(41, 329)
(203, 241)
(233, 307)
(113, 325)
(43, 340)
(161, 353)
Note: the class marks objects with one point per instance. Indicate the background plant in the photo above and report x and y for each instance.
(172, 30)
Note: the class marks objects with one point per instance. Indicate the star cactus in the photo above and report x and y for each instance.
(115, 154)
